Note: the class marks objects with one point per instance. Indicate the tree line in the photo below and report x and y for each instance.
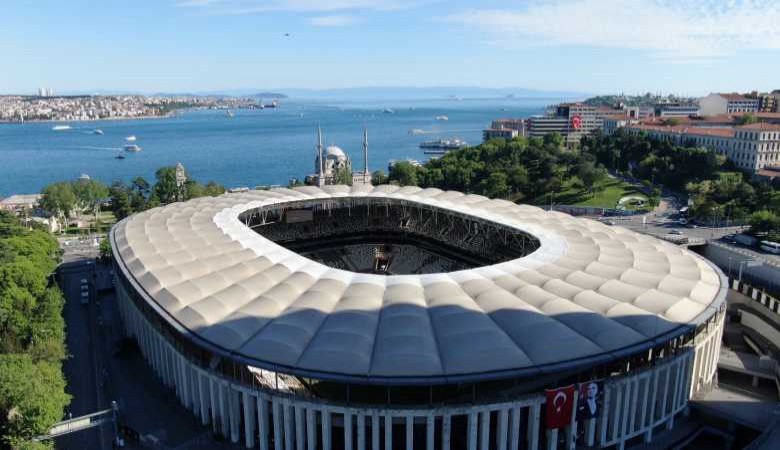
(519, 169)
(32, 335)
(720, 192)
(68, 198)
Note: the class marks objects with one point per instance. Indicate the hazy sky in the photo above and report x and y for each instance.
(677, 46)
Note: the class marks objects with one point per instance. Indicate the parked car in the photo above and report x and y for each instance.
(676, 232)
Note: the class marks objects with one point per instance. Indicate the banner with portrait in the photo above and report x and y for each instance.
(589, 399)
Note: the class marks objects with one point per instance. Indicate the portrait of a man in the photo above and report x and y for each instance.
(589, 401)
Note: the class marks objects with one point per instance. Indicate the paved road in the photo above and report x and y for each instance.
(83, 368)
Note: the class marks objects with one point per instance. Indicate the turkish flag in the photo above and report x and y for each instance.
(560, 405)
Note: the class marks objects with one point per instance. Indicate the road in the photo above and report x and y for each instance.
(97, 374)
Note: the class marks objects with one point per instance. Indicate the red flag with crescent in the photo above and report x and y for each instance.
(576, 122)
(560, 405)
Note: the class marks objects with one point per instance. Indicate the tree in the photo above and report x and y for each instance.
(378, 177)
(404, 173)
(495, 186)
(166, 187)
(59, 200)
(765, 223)
(343, 175)
(121, 204)
(747, 119)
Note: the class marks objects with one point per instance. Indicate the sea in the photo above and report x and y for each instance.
(252, 148)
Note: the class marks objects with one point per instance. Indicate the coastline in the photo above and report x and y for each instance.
(105, 119)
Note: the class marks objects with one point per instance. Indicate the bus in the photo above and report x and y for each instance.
(771, 247)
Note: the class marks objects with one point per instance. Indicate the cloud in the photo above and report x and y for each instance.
(334, 21)
(258, 6)
(669, 29)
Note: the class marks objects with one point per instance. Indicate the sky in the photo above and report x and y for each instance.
(687, 47)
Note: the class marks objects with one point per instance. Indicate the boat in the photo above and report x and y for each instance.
(60, 127)
(98, 132)
(130, 138)
(388, 111)
(444, 144)
(132, 148)
(442, 118)
(230, 113)
(120, 156)
(416, 131)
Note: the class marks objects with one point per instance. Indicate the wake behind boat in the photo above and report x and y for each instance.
(60, 127)
(130, 138)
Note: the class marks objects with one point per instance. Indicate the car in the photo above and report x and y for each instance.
(84, 298)
(83, 281)
(84, 288)
(676, 232)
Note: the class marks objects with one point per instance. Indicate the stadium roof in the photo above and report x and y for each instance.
(590, 293)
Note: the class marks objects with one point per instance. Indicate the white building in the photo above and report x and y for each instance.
(716, 104)
(749, 147)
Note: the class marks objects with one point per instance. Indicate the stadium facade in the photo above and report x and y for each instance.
(387, 317)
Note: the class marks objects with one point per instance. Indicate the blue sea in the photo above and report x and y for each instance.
(255, 147)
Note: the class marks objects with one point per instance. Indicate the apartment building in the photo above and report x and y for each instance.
(570, 120)
(715, 104)
(504, 129)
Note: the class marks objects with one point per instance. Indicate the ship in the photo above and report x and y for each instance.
(388, 111)
(132, 148)
(130, 138)
(229, 113)
(60, 127)
(444, 144)
(98, 132)
(442, 118)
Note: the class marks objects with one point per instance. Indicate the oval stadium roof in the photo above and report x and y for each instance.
(590, 293)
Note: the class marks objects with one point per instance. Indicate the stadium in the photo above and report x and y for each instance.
(390, 317)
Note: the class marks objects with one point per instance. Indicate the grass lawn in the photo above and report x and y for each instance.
(613, 190)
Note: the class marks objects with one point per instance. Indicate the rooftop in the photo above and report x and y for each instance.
(590, 293)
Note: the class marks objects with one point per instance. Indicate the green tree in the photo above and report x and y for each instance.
(343, 175)
(120, 196)
(495, 186)
(747, 119)
(404, 173)
(378, 177)
(59, 200)
(765, 223)
(166, 188)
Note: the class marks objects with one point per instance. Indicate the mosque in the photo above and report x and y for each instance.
(332, 159)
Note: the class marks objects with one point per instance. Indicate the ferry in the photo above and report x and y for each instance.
(444, 144)
(132, 148)
(60, 127)
(130, 138)
(98, 132)
(442, 118)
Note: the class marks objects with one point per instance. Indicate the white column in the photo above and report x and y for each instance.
(278, 424)
(634, 399)
(361, 431)
(287, 412)
(514, 439)
(311, 428)
(653, 395)
(590, 432)
(645, 394)
(347, 430)
(502, 429)
(375, 431)
(299, 436)
(326, 429)
(603, 421)
(430, 429)
(484, 430)
(625, 411)
(204, 406)
(262, 422)
(235, 414)
(388, 431)
(446, 431)
(472, 431)
(214, 400)
(249, 419)
(223, 409)
(552, 439)
(534, 418)
(409, 432)
(571, 430)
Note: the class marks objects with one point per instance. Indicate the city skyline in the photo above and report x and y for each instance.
(564, 45)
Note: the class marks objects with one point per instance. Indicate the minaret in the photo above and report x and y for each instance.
(321, 176)
(365, 155)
